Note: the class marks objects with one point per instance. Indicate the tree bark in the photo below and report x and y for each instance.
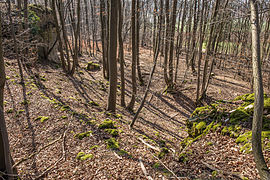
(5, 156)
(153, 69)
(258, 91)
(112, 55)
(134, 58)
(121, 53)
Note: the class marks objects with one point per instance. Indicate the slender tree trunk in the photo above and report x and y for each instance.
(137, 34)
(104, 39)
(153, 68)
(5, 156)
(172, 33)
(208, 50)
(200, 53)
(167, 35)
(121, 53)
(258, 90)
(60, 42)
(76, 36)
(112, 55)
(134, 58)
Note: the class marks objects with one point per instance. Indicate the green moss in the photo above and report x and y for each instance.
(209, 144)
(156, 165)
(107, 124)
(58, 91)
(183, 157)
(92, 66)
(214, 173)
(64, 117)
(201, 125)
(243, 97)
(94, 147)
(24, 102)
(224, 131)
(267, 103)
(163, 152)
(82, 156)
(42, 118)
(232, 131)
(201, 110)
(91, 122)
(216, 126)
(87, 156)
(112, 144)
(246, 148)
(113, 132)
(64, 108)
(9, 111)
(83, 135)
(239, 115)
(119, 116)
(42, 78)
(19, 112)
(122, 152)
(244, 138)
(93, 103)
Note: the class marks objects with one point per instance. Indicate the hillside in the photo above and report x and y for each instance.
(54, 125)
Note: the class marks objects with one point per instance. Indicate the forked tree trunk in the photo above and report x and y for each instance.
(157, 46)
(258, 90)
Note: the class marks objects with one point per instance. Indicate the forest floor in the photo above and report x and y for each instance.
(45, 113)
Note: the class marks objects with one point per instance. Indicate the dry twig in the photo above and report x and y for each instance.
(235, 174)
(144, 170)
(63, 157)
(150, 146)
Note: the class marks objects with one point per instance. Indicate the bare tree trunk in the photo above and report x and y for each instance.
(200, 53)
(137, 34)
(121, 53)
(134, 58)
(258, 90)
(104, 39)
(167, 33)
(5, 156)
(153, 68)
(112, 55)
(172, 33)
(76, 36)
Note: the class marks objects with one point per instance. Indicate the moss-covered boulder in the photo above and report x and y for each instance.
(43, 28)
(91, 66)
(239, 115)
(107, 124)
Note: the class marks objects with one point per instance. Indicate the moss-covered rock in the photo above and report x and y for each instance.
(82, 156)
(83, 135)
(245, 140)
(239, 115)
(91, 66)
(107, 124)
(93, 103)
(183, 157)
(163, 152)
(112, 144)
(42, 118)
(113, 132)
